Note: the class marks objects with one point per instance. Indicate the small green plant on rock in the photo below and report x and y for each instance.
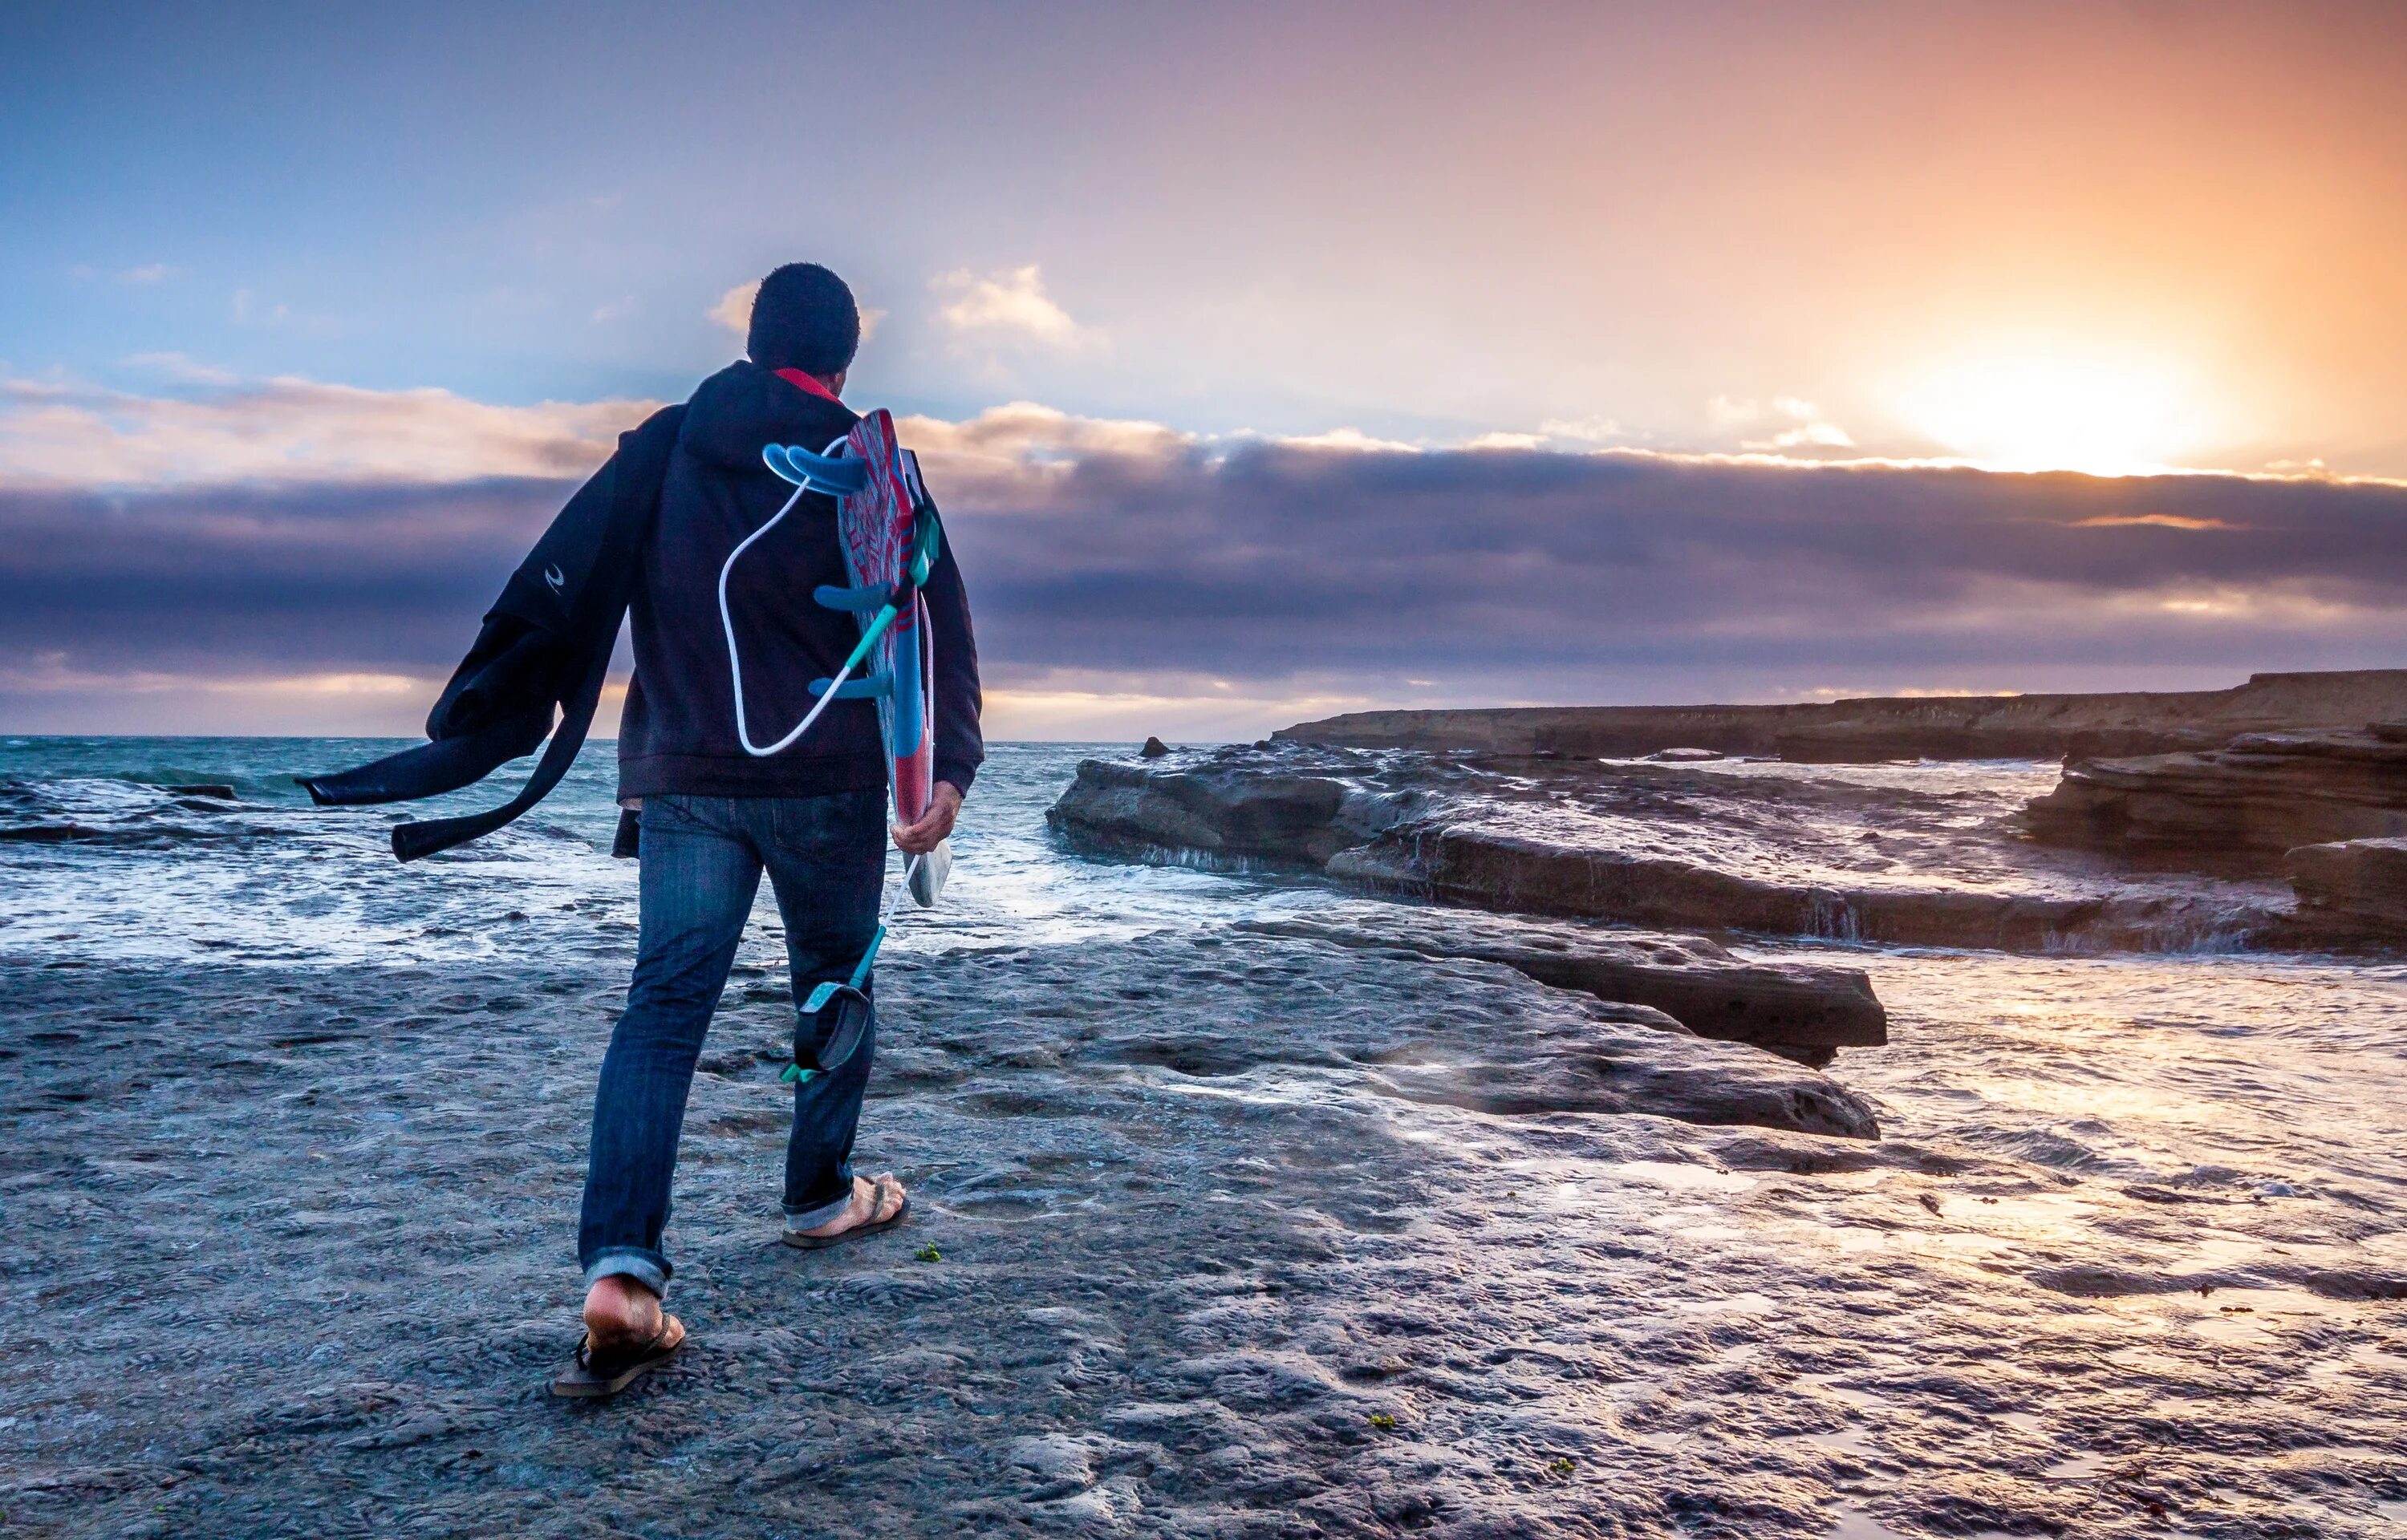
(1382, 1422)
(929, 1254)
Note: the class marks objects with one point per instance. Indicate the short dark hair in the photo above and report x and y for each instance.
(803, 318)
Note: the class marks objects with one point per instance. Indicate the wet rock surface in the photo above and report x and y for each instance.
(1798, 1009)
(2352, 888)
(1857, 855)
(1222, 1235)
(2021, 726)
(1236, 809)
(1506, 870)
(2242, 804)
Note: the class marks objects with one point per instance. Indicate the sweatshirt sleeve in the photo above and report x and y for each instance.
(961, 747)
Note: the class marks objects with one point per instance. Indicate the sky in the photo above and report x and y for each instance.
(1269, 360)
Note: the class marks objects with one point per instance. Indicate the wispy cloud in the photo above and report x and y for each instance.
(1007, 453)
(2161, 521)
(1009, 305)
(287, 431)
(1593, 429)
(1352, 441)
(1102, 703)
(733, 310)
(45, 694)
(182, 367)
(1507, 441)
(1796, 424)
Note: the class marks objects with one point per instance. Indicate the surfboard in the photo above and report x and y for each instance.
(879, 526)
(886, 527)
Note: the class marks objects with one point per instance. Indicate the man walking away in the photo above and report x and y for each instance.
(713, 817)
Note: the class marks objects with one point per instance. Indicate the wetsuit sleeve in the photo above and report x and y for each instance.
(960, 746)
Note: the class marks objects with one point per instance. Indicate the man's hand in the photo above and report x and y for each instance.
(943, 806)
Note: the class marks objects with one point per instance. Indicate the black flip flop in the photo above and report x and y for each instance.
(590, 1377)
(821, 1243)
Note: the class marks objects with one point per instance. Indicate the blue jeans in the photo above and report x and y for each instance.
(701, 862)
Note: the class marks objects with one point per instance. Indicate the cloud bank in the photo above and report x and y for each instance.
(272, 538)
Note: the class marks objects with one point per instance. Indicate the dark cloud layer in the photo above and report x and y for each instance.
(1492, 562)
(231, 581)
(1522, 573)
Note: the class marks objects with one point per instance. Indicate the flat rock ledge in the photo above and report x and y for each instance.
(1797, 1011)
(1496, 870)
(1238, 814)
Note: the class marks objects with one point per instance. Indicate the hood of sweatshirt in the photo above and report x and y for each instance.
(744, 407)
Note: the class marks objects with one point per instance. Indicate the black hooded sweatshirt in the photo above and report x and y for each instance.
(679, 730)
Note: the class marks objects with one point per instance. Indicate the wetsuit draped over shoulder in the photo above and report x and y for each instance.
(544, 647)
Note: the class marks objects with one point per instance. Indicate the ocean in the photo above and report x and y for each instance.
(153, 875)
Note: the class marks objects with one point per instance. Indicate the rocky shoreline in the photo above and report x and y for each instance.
(1670, 847)
(2352, 887)
(2326, 811)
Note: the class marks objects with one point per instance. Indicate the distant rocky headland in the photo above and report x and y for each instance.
(2004, 727)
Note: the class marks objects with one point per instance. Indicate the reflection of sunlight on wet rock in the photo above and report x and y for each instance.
(1853, 1525)
(1678, 1177)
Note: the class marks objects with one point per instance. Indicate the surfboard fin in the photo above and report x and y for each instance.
(859, 600)
(838, 476)
(928, 876)
(857, 689)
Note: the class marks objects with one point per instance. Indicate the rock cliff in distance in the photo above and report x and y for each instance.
(2004, 727)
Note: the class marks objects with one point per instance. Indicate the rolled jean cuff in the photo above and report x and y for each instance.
(647, 1268)
(825, 1213)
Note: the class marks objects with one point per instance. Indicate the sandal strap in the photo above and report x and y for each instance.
(878, 1188)
(634, 1353)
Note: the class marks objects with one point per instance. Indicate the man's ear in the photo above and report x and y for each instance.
(835, 382)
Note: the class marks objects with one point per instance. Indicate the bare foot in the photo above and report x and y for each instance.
(873, 1202)
(619, 1312)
